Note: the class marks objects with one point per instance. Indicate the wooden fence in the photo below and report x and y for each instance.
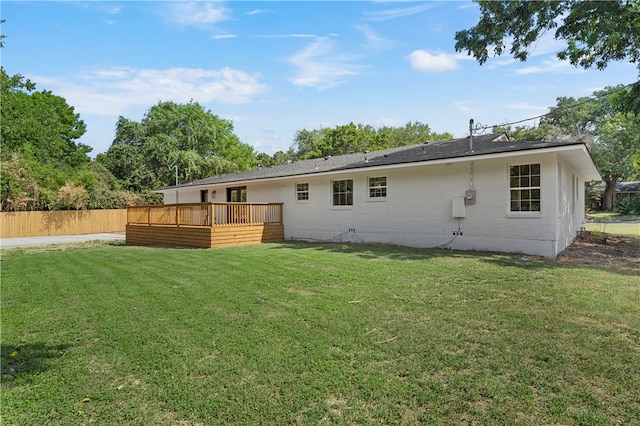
(67, 222)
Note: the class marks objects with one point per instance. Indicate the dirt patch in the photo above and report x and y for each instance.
(600, 249)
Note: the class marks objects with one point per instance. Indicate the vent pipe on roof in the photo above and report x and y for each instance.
(471, 135)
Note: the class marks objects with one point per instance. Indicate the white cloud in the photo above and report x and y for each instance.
(223, 36)
(424, 61)
(318, 66)
(288, 36)
(493, 63)
(113, 10)
(467, 6)
(197, 13)
(385, 15)
(550, 66)
(544, 45)
(258, 11)
(113, 91)
(376, 41)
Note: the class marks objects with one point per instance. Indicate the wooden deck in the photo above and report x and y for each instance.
(205, 225)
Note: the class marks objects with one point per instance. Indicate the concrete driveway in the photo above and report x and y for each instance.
(7, 243)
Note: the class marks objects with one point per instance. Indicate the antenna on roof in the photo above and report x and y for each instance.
(471, 135)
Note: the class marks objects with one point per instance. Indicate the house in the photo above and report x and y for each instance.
(474, 193)
(623, 190)
(626, 189)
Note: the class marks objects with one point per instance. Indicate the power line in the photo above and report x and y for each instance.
(480, 128)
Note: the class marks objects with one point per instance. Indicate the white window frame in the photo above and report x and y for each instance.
(346, 192)
(382, 189)
(300, 192)
(526, 183)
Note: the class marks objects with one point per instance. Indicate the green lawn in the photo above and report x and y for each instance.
(610, 223)
(612, 217)
(306, 334)
(615, 228)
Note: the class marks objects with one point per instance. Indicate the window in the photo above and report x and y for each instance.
(237, 195)
(302, 191)
(343, 192)
(378, 187)
(204, 196)
(524, 183)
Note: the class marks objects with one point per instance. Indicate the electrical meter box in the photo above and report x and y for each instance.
(470, 196)
(457, 208)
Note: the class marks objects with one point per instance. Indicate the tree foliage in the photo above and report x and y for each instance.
(352, 138)
(43, 167)
(144, 154)
(596, 33)
(611, 133)
(39, 124)
(38, 133)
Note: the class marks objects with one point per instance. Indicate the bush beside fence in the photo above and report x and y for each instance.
(62, 222)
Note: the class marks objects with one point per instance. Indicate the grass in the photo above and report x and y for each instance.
(615, 228)
(607, 222)
(310, 333)
(612, 217)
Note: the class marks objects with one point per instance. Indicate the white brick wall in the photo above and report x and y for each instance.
(417, 210)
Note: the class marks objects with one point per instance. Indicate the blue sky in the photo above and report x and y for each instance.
(273, 68)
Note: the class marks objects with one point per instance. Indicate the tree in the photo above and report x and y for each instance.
(144, 154)
(596, 33)
(127, 164)
(543, 132)
(19, 189)
(351, 138)
(264, 160)
(280, 158)
(413, 133)
(40, 152)
(611, 134)
(43, 165)
(346, 139)
(617, 142)
(39, 125)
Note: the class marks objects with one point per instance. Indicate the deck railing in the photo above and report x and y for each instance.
(206, 214)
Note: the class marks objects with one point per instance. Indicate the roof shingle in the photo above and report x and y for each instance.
(455, 148)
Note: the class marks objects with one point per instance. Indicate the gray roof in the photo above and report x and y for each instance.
(449, 149)
(628, 187)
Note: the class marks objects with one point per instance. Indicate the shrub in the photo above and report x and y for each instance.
(71, 197)
(628, 205)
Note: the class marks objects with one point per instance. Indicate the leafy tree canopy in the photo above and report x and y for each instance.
(144, 154)
(595, 32)
(612, 135)
(40, 155)
(39, 124)
(351, 138)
